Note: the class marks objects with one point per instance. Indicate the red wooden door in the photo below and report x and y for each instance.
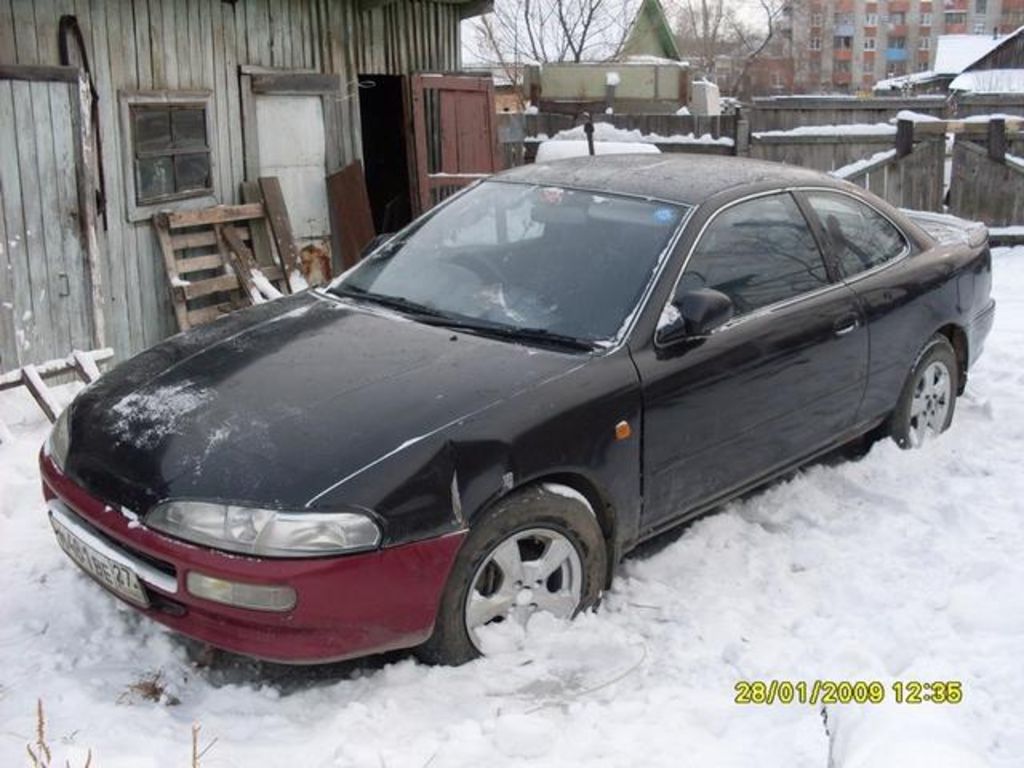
(456, 138)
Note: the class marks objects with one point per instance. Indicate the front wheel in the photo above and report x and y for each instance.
(536, 551)
(926, 404)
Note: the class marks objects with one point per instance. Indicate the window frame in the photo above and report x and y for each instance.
(801, 195)
(834, 276)
(127, 100)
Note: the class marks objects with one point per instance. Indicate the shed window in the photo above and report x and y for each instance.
(171, 150)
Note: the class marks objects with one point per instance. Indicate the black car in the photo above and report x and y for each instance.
(482, 417)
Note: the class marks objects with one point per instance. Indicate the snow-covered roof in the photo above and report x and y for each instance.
(990, 81)
(913, 78)
(954, 53)
(645, 59)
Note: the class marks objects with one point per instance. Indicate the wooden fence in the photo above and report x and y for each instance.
(904, 164)
(987, 181)
(783, 113)
(521, 134)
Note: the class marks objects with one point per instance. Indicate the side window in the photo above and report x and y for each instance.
(757, 253)
(861, 237)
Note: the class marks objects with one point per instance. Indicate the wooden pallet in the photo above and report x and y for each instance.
(214, 258)
(83, 364)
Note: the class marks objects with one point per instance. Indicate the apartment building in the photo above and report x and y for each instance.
(846, 46)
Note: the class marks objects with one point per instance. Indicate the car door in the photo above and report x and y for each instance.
(779, 381)
(871, 252)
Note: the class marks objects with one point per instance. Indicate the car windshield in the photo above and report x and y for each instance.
(523, 260)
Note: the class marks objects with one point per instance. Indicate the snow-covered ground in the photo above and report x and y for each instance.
(904, 565)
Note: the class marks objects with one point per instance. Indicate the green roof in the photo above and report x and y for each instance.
(650, 34)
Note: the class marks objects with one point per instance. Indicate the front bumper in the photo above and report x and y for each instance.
(347, 606)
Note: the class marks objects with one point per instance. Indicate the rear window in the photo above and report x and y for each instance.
(861, 237)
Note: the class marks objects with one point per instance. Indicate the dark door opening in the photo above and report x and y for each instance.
(385, 157)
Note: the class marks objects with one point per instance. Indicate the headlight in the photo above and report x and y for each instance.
(59, 440)
(265, 532)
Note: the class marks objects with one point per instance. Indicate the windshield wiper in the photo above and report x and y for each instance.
(540, 335)
(426, 314)
(393, 302)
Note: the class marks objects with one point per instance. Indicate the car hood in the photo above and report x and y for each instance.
(280, 404)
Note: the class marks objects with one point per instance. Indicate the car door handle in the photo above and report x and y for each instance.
(844, 325)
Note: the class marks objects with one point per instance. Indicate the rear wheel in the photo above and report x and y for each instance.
(926, 405)
(537, 551)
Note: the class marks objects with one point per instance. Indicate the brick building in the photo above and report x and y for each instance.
(846, 46)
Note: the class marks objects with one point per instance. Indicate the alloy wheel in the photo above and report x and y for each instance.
(929, 406)
(531, 571)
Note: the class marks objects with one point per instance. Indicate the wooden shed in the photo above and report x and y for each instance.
(113, 110)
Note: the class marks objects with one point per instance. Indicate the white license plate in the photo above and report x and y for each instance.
(116, 577)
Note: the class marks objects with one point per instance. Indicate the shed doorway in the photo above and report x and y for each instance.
(385, 151)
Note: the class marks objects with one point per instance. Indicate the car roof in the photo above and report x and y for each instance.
(681, 178)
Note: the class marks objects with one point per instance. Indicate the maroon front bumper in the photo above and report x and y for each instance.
(348, 606)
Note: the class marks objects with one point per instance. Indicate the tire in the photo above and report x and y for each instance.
(542, 527)
(926, 404)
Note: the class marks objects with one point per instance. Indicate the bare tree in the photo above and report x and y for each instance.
(756, 44)
(709, 29)
(704, 28)
(522, 32)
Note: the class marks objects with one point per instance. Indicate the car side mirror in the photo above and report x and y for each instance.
(693, 314)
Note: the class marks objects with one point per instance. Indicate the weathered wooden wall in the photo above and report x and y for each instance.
(199, 44)
(408, 36)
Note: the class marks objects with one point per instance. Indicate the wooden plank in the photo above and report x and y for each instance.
(51, 369)
(144, 306)
(280, 225)
(86, 366)
(160, 225)
(7, 45)
(997, 139)
(219, 76)
(219, 214)
(127, 305)
(35, 324)
(9, 353)
(202, 238)
(168, 46)
(199, 263)
(262, 245)
(221, 283)
(208, 314)
(240, 258)
(351, 218)
(40, 392)
(297, 84)
(38, 73)
(58, 294)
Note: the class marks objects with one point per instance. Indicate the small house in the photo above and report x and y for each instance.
(116, 110)
(647, 75)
